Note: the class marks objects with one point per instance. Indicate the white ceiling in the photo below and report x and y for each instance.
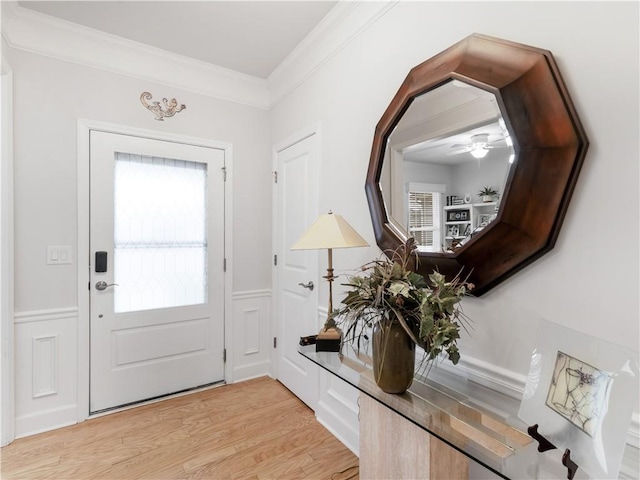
(439, 125)
(251, 37)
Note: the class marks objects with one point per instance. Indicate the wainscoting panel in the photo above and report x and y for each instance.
(46, 362)
(46, 359)
(45, 366)
(338, 410)
(252, 329)
(338, 404)
(251, 334)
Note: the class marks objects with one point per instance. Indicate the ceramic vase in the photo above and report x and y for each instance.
(394, 356)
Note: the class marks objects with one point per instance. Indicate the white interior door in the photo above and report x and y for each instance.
(157, 268)
(297, 204)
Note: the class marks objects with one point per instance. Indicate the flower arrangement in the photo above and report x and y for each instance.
(387, 289)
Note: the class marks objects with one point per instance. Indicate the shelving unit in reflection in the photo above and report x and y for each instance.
(463, 221)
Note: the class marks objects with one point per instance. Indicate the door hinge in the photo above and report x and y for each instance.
(275, 260)
(275, 342)
(89, 286)
(224, 265)
(275, 176)
(224, 355)
(224, 174)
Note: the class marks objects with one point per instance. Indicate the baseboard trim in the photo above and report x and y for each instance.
(54, 418)
(491, 376)
(254, 370)
(347, 443)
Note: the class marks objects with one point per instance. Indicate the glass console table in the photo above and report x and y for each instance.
(477, 422)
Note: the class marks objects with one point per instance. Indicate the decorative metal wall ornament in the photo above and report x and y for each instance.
(168, 108)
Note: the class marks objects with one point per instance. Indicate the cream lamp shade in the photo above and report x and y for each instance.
(329, 231)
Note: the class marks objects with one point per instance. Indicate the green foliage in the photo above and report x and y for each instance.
(387, 289)
(487, 191)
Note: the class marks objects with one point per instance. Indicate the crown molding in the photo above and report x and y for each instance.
(341, 25)
(42, 34)
(45, 35)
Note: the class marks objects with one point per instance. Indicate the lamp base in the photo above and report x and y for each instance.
(329, 340)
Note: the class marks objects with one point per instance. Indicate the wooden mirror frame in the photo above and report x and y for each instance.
(550, 146)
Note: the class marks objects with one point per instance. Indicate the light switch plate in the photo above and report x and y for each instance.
(59, 255)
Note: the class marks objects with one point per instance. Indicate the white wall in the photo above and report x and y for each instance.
(589, 282)
(416, 172)
(571, 284)
(460, 179)
(491, 171)
(49, 97)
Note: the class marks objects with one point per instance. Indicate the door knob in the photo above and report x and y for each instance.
(307, 285)
(103, 285)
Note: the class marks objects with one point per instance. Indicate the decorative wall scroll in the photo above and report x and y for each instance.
(581, 392)
(168, 108)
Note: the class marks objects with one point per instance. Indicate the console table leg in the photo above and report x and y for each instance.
(393, 447)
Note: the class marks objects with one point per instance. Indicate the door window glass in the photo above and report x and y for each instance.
(160, 241)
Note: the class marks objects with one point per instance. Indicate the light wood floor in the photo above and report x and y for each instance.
(250, 430)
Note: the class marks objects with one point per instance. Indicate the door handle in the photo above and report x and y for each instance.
(103, 285)
(307, 285)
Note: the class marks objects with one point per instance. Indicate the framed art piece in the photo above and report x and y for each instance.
(453, 231)
(457, 215)
(577, 392)
(484, 219)
(581, 392)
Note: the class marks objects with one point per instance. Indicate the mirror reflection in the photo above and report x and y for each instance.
(445, 166)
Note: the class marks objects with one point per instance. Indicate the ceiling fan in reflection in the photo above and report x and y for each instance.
(478, 148)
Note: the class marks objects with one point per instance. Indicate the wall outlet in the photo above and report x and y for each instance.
(59, 255)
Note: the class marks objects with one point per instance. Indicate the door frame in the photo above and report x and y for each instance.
(85, 126)
(7, 337)
(313, 129)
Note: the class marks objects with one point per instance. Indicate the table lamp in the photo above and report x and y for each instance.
(329, 231)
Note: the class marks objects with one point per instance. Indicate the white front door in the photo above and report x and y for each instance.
(297, 209)
(157, 268)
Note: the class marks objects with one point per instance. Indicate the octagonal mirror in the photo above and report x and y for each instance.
(450, 150)
(476, 158)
